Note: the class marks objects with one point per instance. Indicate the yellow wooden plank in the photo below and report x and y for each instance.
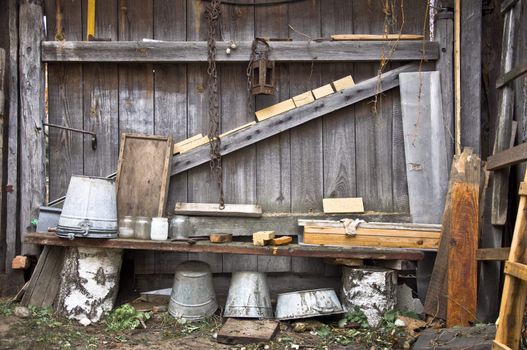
(90, 25)
(276, 109)
(303, 99)
(516, 269)
(376, 37)
(523, 189)
(343, 83)
(499, 346)
(196, 143)
(343, 205)
(323, 91)
(237, 129)
(377, 232)
(178, 145)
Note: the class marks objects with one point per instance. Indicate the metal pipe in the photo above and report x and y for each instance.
(92, 134)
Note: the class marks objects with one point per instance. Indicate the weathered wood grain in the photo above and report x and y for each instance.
(492, 254)
(31, 130)
(508, 157)
(212, 209)
(231, 248)
(3, 92)
(190, 52)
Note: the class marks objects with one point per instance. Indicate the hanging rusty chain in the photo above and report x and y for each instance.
(213, 15)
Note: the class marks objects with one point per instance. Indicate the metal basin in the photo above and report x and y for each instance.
(90, 209)
(307, 303)
(193, 296)
(248, 296)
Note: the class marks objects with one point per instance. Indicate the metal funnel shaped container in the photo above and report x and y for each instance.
(307, 303)
(90, 209)
(248, 296)
(193, 296)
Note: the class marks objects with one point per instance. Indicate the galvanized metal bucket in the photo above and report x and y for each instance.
(248, 296)
(307, 303)
(193, 296)
(90, 209)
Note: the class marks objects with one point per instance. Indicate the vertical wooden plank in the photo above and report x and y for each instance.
(373, 124)
(65, 107)
(273, 174)
(170, 19)
(463, 242)
(11, 197)
(471, 14)
(3, 74)
(32, 168)
(306, 140)
(239, 168)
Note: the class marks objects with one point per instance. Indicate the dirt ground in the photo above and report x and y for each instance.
(42, 329)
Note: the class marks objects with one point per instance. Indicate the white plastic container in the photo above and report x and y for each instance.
(159, 229)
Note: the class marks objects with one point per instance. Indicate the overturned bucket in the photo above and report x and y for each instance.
(90, 209)
(248, 296)
(307, 303)
(193, 296)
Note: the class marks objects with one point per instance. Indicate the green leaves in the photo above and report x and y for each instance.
(125, 318)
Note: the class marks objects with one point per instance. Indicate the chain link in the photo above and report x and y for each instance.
(213, 15)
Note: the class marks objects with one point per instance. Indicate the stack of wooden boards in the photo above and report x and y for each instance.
(271, 111)
(386, 235)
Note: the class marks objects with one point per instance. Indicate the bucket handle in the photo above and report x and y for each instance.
(85, 225)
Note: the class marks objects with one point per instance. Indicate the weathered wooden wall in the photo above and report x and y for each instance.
(353, 152)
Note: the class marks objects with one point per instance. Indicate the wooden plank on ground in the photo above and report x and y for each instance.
(236, 331)
(424, 145)
(45, 280)
(142, 175)
(343, 205)
(492, 254)
(196, 51)
(245, 248)
(508, 157)
(273, 126)
(463, 243)
(213, 209)
(376, 37)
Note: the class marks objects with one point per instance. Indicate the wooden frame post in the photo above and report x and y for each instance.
(31, 152)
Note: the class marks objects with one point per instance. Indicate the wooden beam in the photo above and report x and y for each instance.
(196, 51)
(3, 241)
(376, 37)
(212, 209)
(492, 254)
(516, 270)
(273, 126)
(508, 157)
(230, 248)
(463, 243)
(511, 75)
(31, 151)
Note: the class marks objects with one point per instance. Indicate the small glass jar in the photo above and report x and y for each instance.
(142, 227)
(159, 229)
(180, 227)
(126, 227)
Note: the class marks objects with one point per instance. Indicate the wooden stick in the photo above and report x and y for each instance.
(457, 74)
(90, 25)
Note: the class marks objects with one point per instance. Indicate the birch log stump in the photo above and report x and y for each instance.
(89, 282)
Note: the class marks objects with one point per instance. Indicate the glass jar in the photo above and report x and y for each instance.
(142, 227)
(126, 227)
(180, 227)
(159, 229)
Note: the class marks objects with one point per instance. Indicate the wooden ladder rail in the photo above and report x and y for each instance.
(514, 294)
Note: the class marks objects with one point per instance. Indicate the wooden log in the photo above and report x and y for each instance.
(196, 51)
(31, 130)
(463, 242)
(343, 205)
(230, 248)
(508, 157)
(213, 209)
(273, 126)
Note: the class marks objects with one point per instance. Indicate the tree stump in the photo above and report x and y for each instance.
(89, 282)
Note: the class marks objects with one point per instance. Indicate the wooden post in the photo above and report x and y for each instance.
(444, 35)
(457, 73)
(3, 263)
(11, 193)
(31, 153)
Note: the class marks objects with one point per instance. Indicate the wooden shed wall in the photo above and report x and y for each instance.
(352, 152)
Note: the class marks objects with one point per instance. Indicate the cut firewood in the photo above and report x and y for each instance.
(220, 237)
(343, 205)
(213, 209)
(261, 238)
(282, 240)
(247, 331)
(20, 262)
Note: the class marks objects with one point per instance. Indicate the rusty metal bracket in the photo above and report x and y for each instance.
(92, 134)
